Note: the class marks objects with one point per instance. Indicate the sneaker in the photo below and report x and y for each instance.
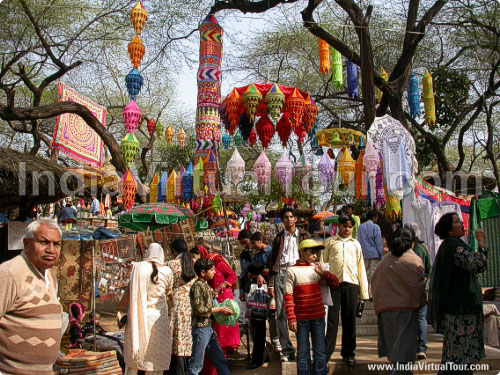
(421, 356)
(277, 348)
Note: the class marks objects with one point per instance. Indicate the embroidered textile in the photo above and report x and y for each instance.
(396, 168)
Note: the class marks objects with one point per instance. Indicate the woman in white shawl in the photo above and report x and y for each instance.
(148, 342)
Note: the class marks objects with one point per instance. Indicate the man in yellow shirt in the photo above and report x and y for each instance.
(345, 257)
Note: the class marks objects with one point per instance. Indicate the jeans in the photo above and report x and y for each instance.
(205, 340)
(279, 289)
(422, 330)
(316, 328)
(259, 341)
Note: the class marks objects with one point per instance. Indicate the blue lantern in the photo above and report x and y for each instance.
(162, 187)
(187, 192)
(414, 96)
(352, 80)
(134, 83)
(361, 143)
(226, 140)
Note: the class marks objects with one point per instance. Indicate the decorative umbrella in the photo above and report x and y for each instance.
(322, 214)
(333, 219)
(153, 216)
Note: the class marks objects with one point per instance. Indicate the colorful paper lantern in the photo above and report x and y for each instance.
(326, 171)
(216, 204)
(352, 80)
(136, 50)
(163, 187)
(151, 126)
(198, 178)
(179, 186)
(262, 169)
(294, 105)
(336, 142)
(238, 139)
(130, 147)
(128, 190)
(210, 168)
(430, 109)
(192, 140)
(133, 81)
(324, 56)
(385, 77)
(371, 164)
(226, 140)
(265, 130)
(181, 138)
(131, 114)
(360, 177)
(251, 98)
(310, 113)
(236, 168)
(347, 166)
(414, 96)
(159, 130)
(252, 138)
(302, 168)
(246, 209)
(284, 129)
(169, 135)
(275, 100)
(171, 187)
(138, 16)
(234, 105)
(284, 172)
(153, 189)
(337, 73)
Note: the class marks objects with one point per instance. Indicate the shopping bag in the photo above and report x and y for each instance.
(326, 294)
(257, 305)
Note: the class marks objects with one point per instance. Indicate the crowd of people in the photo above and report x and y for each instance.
(168, 307)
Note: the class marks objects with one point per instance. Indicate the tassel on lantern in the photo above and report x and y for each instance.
(430, 109)
(284, 129)
(171, 187)
(294, 105)
(251, 98)
(133, 81)
(414, 96)
(138, 16)
(347, 167)
(326, 171)
(324, 56)
(233, 104)
(151, 126)
(169, 135)
(163, 187)
(337, 74)
(385, 77)
(181, 138)
(352, 80)
(136, 50)
(159, 130)
(236, 168)
(131, 114)
(153, 189)
(128, 190)
(262, 169)
(130, 147)
(275, 100)
(226, 140)
(265, 130)
(284, 172)
(238, 139)
(252, 138)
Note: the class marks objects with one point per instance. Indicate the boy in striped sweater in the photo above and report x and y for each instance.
(304, 307)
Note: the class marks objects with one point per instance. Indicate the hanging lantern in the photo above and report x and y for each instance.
(275, 100)
(151, 126)
(171, 187)
(300, 132)
(245, 126)
(265, 130)
(133, 81)
(302, 168)
(246, 210)
(371, 164)
(319, 151)
(284, 129)
(294, 105)
(326, 171)
(252, 138)
(413, 96)
(131, 114)
(162, 187)
(234, 105)
(236, 168)
(226, 140)
(192, 140)
(169, 135)
(284, 172)
(136, 50)
(198, 178)
(385, 77)
(262, 169)
(238, 139)
(350, 140)
(181, 138)
(361, 143)
(210, 168)
(153, 189)
(128, 190)
(430, 109)
(352, 80)
(360, 177)
(130, 147)
(331, 154)
(251, 98)
(336, 142)
(216, 204)
(179, 186)
(310, 114)
(337, 74)
(324, 56)
(347, 166)
(159, 130)
(138, 16)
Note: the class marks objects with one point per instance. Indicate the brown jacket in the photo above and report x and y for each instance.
(277, 253)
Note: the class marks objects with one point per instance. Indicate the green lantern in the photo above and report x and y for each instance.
(336, 142)
(130, 147)
(159, 130)
(216, 203)
(238, 139)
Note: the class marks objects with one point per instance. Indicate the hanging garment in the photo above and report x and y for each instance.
(396, 170)
(419, 210)
(438, 210)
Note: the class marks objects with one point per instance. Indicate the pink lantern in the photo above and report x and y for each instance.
(236, 168)
(284, 172)
(302, 171)
(262, 169)
(131, 114)
(371, 163)
(246, 210)
(326, 170)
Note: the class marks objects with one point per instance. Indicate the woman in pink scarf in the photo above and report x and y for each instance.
(76, 315)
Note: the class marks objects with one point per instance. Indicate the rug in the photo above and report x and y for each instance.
(68, 271)
(73, 136)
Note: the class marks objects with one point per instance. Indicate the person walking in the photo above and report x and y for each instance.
(370, 238)
(284, 254)
(148, 341)
(455, 302)
(398, 294)
(345, 257)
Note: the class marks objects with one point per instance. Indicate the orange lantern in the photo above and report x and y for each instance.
(138, 16)
(233, 109)
(136, 50)
(310, 113)
(324, 56)
(347, 167)
(128, 189)
(294, 105)
(181, 138)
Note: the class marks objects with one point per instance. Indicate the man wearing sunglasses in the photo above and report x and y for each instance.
(345, 257)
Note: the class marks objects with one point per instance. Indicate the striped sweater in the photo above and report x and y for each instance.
(303, 299)
(30, 319)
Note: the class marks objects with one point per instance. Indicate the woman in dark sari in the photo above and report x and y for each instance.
(455, 303)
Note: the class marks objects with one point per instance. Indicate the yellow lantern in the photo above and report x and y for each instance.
(181, 138)
(169, 135)
(171, 187)
(385, 77)
(153, 189)
(347, 167)
(138, 16)
(429, 106)
(136, 50)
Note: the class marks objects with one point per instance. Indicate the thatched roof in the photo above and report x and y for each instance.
(27, 180)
